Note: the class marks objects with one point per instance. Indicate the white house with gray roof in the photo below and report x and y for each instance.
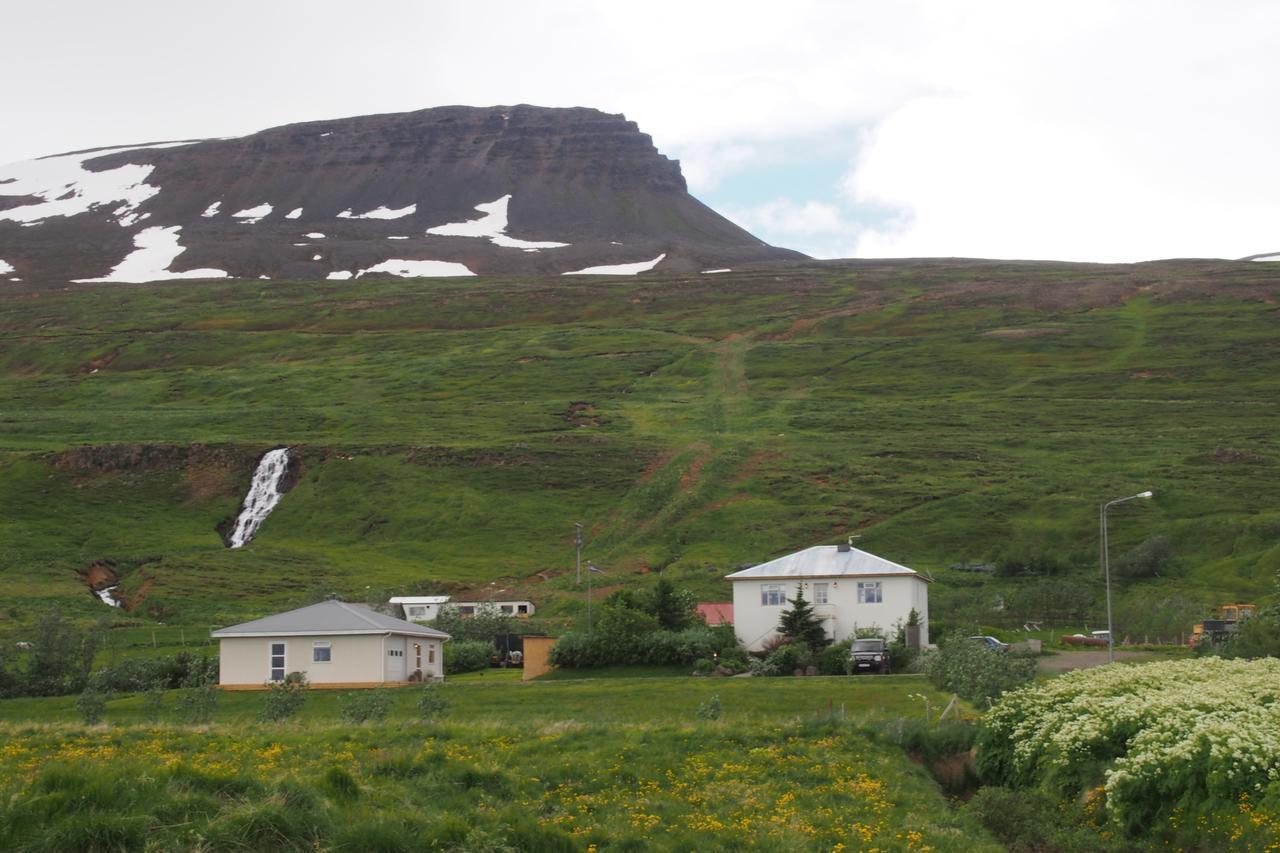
(848, 588)
(335, 644)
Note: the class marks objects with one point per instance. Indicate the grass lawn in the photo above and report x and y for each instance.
(603, 764)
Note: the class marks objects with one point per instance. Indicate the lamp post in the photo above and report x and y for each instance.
(591, 570)
(577, 541)
(1106, 566)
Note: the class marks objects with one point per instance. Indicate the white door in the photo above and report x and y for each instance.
(395, 662)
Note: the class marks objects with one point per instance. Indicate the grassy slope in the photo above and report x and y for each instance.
(943, 410)
(620, 764)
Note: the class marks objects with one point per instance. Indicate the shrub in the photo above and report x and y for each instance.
(196, 704)
(703, 666)
(60, 658)
(710, 709)
(483, 626)
(788, 658)
(466, 656)
(1195, 733)
(1152, 558)
(284, 698)
(134, 675)
(834, 659)
(975, 672)
(341, 783)
(91, 706)
(431, 702)
(361, 705)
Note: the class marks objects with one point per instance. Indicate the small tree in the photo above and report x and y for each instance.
(432, 702)
(284, 698)
(669, 606)
(801, 625)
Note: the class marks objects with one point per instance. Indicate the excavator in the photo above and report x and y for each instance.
(1226, 622)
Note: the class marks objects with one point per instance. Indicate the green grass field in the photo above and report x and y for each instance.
(605, 764)
(451, 432)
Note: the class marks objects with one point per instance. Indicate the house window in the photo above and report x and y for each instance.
(869, 592)
(431, 654)
(321, 651)
(820, 593)
(395, 653)
(522, 609)
(506, 608)
(277, 661)
(416, 612)
(467, 610)
(771, 595)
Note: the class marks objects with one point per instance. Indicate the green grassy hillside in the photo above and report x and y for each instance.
(452, 431)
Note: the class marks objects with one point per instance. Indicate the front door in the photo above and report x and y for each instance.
(395, 663)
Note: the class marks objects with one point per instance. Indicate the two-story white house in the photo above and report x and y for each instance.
(848, 589)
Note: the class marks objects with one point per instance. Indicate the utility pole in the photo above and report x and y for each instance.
(577, 541)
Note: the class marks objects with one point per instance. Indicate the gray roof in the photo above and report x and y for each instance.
(328, 617)
(824, 561)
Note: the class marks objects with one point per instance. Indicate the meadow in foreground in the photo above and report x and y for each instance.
(768, 775)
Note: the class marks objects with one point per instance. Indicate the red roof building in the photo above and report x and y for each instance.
(715, 613)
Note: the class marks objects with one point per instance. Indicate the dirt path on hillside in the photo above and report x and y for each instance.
(1066, 661)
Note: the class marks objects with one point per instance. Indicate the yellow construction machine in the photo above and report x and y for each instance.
(1226, 622)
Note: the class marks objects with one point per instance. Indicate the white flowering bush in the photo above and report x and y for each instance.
(1159, 737)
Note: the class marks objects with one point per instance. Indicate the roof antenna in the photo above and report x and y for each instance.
(852, 537)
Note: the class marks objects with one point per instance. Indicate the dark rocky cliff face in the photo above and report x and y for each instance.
(376, 187)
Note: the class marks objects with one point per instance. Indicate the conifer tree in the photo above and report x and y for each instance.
(801, 625)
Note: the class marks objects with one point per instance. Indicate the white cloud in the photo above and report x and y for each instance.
(1090, 129)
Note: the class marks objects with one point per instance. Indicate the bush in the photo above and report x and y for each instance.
(1259, 637)
(134, 675)
(975, 672)
(1154, 557)
(703, 666)
(91, 706)
(466, 656)
(431, 702)
(60, 658)
(284, 698)
(710, 709)
(834, 659)
(788, 658)
(196, 704)
(361, 705)
(621, 647)
(487, 623)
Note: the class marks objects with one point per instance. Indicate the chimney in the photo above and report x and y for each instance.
(843, 548)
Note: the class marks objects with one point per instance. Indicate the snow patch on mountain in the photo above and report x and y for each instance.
(212, 210)
(5, 267)
(380, 213)
(418, 269)
(339, 275)
(251, 215)
(155, 250)
(493, 227)
(296, 213)
(67, 188)
(314, 235)
(620, 269)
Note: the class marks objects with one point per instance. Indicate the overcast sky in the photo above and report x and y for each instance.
(1060, 130)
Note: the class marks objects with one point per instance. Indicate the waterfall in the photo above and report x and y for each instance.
(264, 494)
(107, 596)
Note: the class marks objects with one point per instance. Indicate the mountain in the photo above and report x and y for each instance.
(444, 191)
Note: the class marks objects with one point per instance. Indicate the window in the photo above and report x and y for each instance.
(819, 593)
(771, 595)
(466, 610)
(431, 654)
(321, 651)
(522, 608)
(277, 661)
(415, 612)
(506, 608)
(869, 592)
(395, 653)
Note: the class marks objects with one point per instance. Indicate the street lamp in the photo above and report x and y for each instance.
(591, 570)
(1106, 567)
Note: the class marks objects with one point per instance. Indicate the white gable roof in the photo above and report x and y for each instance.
(419, 599)
(328, 617)
(824, 561)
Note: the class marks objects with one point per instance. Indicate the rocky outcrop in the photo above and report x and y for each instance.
(451, 190)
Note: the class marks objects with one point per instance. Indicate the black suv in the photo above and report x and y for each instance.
(869, 655)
